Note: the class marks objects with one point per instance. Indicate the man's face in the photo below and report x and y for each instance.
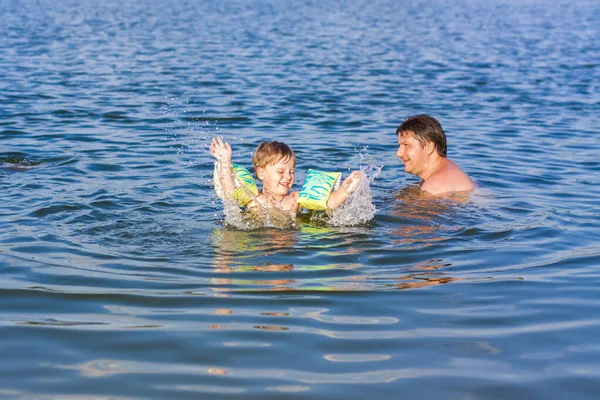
(411, 152)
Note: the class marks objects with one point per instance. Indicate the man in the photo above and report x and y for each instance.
(422, 149)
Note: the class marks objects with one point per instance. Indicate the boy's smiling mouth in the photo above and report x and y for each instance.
(285, 187)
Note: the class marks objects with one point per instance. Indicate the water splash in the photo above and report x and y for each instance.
(359, 207)
(189, 135)
(264, 217)
(357, 210)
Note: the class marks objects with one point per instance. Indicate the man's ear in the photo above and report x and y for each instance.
(429, 148)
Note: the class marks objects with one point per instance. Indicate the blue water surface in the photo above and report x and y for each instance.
(120, 280)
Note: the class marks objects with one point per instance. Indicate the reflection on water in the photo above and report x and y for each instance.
(272, 327)
(416, 280)
(234, 247)
(217, 371)
(421, 281)
(423, 223)
(461, 368)
(120, 277)
(423, 217)
(236, 253)
(412, 203)
(356, 358)
(103, 368)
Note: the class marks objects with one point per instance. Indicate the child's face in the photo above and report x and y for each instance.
(278, 178)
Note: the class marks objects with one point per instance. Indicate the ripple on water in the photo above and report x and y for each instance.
(121, 276)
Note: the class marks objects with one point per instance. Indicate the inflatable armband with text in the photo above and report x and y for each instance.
(316, 189)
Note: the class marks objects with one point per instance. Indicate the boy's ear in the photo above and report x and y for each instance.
(260, 173)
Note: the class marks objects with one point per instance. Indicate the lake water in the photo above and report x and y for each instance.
(120, 280)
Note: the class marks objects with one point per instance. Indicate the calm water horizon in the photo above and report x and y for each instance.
(119, 278)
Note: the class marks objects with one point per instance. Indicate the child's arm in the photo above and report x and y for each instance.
(349, 185)
(221, 151)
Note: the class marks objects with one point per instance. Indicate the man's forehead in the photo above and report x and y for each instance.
(406, 135)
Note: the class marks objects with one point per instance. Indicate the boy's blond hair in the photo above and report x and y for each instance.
(269, 153)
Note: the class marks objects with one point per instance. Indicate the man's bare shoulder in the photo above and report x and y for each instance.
(449, 178)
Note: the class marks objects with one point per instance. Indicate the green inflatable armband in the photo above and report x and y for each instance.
(316, 189)
(245, 187)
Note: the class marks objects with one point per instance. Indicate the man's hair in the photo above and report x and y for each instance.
(425, 129)
(269, 153)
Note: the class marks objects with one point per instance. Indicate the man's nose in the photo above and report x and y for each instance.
(400, 152)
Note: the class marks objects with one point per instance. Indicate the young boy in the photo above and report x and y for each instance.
(274, 164)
